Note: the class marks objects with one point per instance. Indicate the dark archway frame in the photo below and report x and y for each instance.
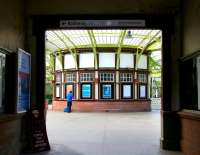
(166, 23)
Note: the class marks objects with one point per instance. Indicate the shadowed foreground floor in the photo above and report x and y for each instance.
(135, 133)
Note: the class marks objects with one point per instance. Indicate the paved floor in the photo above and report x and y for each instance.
(134, 133)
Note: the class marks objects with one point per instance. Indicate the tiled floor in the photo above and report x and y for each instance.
(135, 133)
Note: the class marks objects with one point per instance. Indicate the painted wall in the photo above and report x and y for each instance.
(191, 26)
(12, 24)
(12, 36)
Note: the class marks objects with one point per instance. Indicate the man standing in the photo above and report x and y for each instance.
(69, 101)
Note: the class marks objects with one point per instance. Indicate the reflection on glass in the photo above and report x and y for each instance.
(86, 91)
(2, 79)
(107, 91)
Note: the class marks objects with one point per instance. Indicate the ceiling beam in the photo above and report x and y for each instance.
(120, 42)
(74, 54)
(94, 45)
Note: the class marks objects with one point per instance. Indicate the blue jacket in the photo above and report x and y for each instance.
(69, 97)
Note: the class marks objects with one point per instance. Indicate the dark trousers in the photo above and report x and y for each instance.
(69, 105)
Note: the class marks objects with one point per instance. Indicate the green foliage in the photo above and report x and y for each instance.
(155, 67)
(49, 66)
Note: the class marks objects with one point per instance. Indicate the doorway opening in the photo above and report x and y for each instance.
(107, 70)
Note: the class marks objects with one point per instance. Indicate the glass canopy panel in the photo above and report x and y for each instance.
(65, 39)
(106, 36)
(78, 37)
(53, 39)
(51, 47)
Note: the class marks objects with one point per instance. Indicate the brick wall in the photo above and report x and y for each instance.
(94, 106)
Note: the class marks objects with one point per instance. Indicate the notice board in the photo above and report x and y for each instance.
(23, 81)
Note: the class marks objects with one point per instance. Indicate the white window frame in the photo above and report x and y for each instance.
(142, 77)
(87, 77)
(107, 77)
(70, 77)
(126, 77)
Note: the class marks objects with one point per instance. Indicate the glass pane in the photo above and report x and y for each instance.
(86, 91)
(58, 77)
(127, 91)
(143, 91)
(2, 78)
(58, 63)
(107, 91)
(57, 91)
(86, 60)
(69, 62)
(126, 60)
(142, 64)
(107, 60)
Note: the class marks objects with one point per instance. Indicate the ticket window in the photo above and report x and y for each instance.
(68, 88)
(142, 87)
(126, 80)
(87, 81)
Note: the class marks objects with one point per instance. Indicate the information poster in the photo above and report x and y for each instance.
(86, 91)
(127, 91)
(23, 73)
(107, 91)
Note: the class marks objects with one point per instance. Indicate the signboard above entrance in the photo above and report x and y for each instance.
(101, 23)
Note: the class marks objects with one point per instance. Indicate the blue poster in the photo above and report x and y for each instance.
(23, 96)
(107, 91)
(86, 91)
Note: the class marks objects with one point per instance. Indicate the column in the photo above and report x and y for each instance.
(117, 85)
(62, 86)
(135, 87)
(77, 85)
(96, 85)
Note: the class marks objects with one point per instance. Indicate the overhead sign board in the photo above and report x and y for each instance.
(101, 23)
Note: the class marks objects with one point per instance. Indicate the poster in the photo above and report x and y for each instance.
(23, 73)
(127, 91)
(86, 91)
(107, 91)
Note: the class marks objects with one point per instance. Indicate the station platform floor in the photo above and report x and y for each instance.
(111, 133)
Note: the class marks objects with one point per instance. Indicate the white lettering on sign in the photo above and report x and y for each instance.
(101, 23)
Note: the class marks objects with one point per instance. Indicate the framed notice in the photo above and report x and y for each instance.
(86, 91)
(107, 91)
(23, 81)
